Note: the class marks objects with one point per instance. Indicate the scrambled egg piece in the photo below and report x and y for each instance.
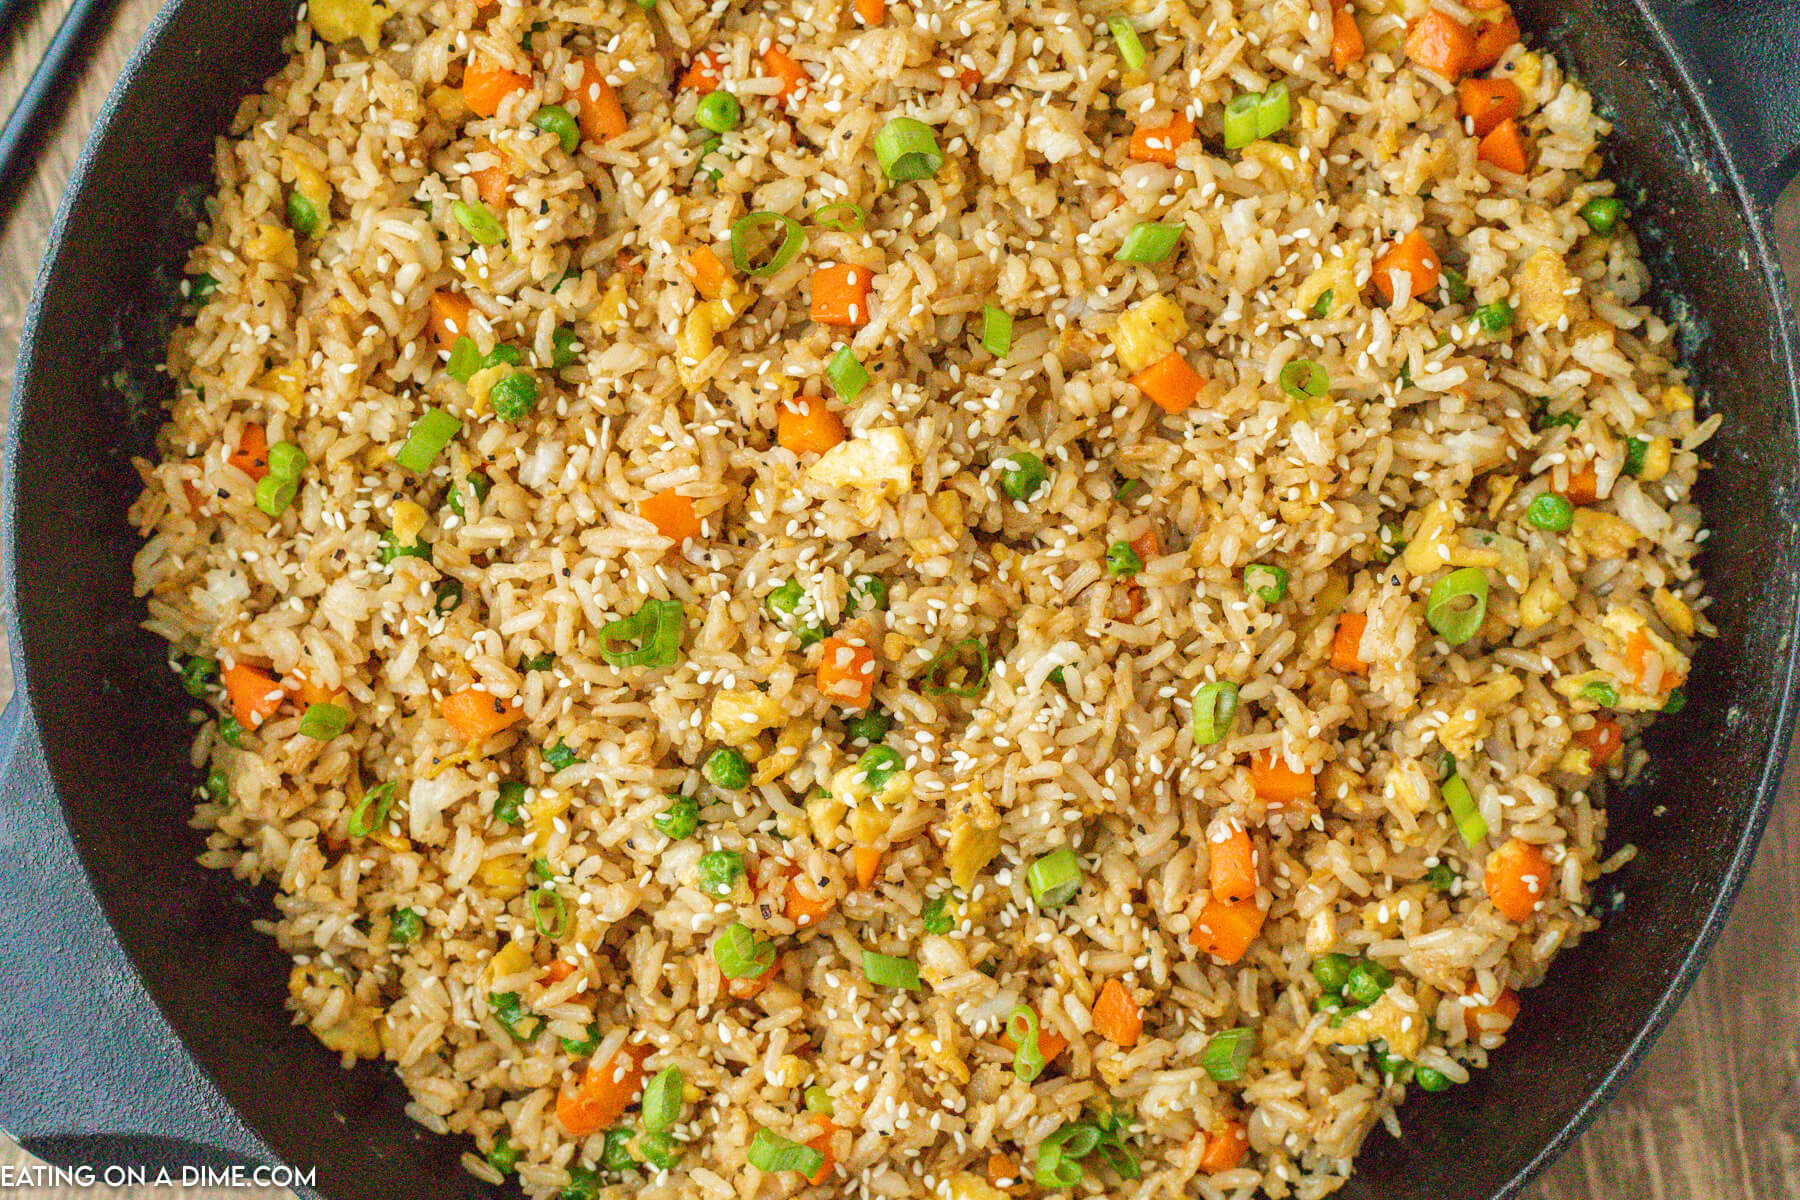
(737, 717)
(354, 1030)
(1396, 1018)
(974, 836)
(273, 244)
(879, 461)
(1146, 332)
(288, 383)
(340, 20)
(1544, 284)
(1469, 724)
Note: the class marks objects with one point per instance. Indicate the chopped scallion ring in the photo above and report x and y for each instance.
(843, 216)
(1131, 47)
(652, 636)
(907, 150)
(750, 237)
(555, 922)
(1240, 120)
(1028, 1053)
(1227, 1054)
(996, 330)
(1149, 242)
(428, 437)
(1055, 878)
(1457, 604)
(740, 954)
(1463, 810)
(371, 812)
(324, 721)
(1304, 379)
(884, 970)
(770, 1151)
(847, 376)
(1273, 111)
(1215, 710)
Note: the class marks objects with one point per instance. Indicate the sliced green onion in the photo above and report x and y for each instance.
(1149, 242)
(740, 954)
(511, 1015)
(562, 348)
(1463, 810)
(560, 757)
(817, 1099)
(303, 215)
(1456, 285)
(537, 662)
(508, 804)
(847, 376)
(1443, 877)
(1215, 711)
(1131, 47)
(1635, 449)
(869, 726)
(719, 111)
(1267, 582)
(1056, 1166)
(1676, 702)
(615, 1152)
(1126, 489)
(1602, 214)
(1332, 972)
(274, 494)
(996, 330)
(1028, 1054)
(651, 636)
(1494, 317)
(427, 439)
(1601, 693)
(324, 721)
(660, 1150)
(555, 922)
(869, 591)
(845, 216)
(1022, 473)
(1322, 305)
(405, 925)
(934, 917)
(465, 359)
(1273, 110)
(884, 970)
(286, 460)
(1551, 512)
(679, 820)
(907, 150)
(1122, 561)
(217, 789)
(1227, 1054)
(1367, 981)
(771, 1152)
(1055, 878)
(447, 597)
(553, 118)
(1240, 120)
(662, 1099)
(372, 812)
(959, 670)
(196, 676)
(479, 221)
(503, 1158)
(1303, 379)
(1457, 604)
(391, 549)
(584, 1047)
(750, 238)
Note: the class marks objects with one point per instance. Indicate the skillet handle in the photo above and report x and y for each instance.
(90, 1073)
(1741, 53)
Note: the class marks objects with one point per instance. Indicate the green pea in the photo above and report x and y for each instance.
(1551, 512)
(515, 397)
(560, 757)
(1430, 1080)
(1332, 971)
(405, 925)
(719, 111)
(584, 1183)
(785, 600)
(479, 222)
(554, 118)
(303, 215)
(878, 766)
(680, 819)
(869, 591)
(870, 726)
(197, 675)
(1122, 560)
(503, 1157)
(1494, 317)
(1602, 214)
(1367, 981)
(1443, 877)
(1022, 475)
(616, 1154)
(660, 1150)
(562, 348)
(231, 731)
(719, 871)
(726, 768)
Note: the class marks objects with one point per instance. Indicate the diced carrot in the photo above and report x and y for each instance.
(1225, 931)
(868, 865)
(1413, 256)
(1116, 1015)
(1603, 741)
(1487, 102)
(195, 500)
(1171, 383)
(485, 86)
(1225, 1148)
(872, 12)
(1649, 673)
(1277, 784)
(252, 453)
(840, 294)
(1480, 1019)
(1517, 877)
(821, 1141)
(1049, 1044)
(557, 970)
(673, 515)
(702, 74)
(802, 909)
(308, 692)
(630, 264)
(1583, 486)
(1002, 1170)
(1492, 40)
(1231, 866)
(970, 79)
(597, 108)
(1346, 654)
(607, 1089)
(491, 185)
(1506, 147)
(751, 988)
(1147, 545)
(1441, 43)
(1134, 603)
(477, 714)
(710, 277)
(781, 65)
(255, 694)
(806, 425)
(1158, 143)
(846, 673)
(449, 319)
(1346, 36)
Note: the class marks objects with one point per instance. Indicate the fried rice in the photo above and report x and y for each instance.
(1083, 651)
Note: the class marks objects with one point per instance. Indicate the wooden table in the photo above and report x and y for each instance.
(1713, 1115)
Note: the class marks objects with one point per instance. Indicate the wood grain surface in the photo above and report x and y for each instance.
(1714, 1114)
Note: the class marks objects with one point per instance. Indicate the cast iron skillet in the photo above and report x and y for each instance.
(142, 1016)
